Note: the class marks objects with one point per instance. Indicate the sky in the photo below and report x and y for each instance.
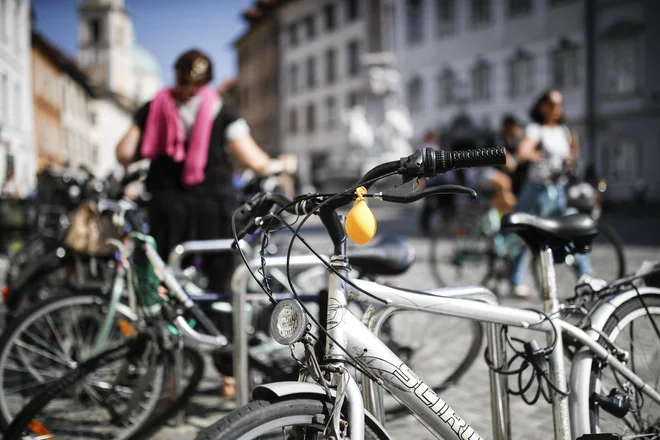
(164, 27)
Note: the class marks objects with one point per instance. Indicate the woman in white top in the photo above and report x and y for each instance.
(550, 148)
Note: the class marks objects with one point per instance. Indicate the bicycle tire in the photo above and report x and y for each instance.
(22, 421)
(608, 231)
(246, 422)
(617, 323)
(473, 353)
(23, 322)
(435, 260)
(158, 420)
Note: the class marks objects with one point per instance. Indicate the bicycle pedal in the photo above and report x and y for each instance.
(617, 403)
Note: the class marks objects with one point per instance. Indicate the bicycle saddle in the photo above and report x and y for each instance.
(576, 231)
(388, 255)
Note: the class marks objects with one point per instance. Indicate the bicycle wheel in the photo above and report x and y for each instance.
(607, 262)
(634, 328)
(111, 395)
(296, 418)
(465, 256)
(46, 342)
(70, 275)
(193, 371)
(459, 339)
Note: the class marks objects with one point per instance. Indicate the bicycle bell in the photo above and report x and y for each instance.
(288, 322)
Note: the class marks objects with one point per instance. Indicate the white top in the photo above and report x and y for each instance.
(188, 114)
(555, 143)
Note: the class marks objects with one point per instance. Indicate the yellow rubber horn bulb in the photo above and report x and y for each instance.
(361, 222)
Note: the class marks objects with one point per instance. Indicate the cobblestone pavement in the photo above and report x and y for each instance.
(470, 397)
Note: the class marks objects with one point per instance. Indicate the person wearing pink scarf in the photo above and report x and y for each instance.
(189, 133)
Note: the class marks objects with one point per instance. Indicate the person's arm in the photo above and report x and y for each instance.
(127, 148)
(245, 150)
(511, 162)
(527, 151)
(575, 146)
(248, 154)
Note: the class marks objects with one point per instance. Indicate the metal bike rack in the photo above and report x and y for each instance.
(239, 287)
(375, 317)
(175, 259)
(177, 254)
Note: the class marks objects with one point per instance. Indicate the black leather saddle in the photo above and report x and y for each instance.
(564, 235)
(388, 255)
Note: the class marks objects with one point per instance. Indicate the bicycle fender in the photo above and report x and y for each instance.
(583, 359)
(279, 390)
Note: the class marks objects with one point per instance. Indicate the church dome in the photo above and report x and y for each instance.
(143, 61)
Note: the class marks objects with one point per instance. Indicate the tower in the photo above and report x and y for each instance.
(105, 44)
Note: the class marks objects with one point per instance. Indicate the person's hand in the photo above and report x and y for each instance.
(289, 163)
(538, 155)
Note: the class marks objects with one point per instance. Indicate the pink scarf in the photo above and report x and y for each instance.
(164, 134)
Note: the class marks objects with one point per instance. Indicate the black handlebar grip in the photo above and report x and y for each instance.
(454, 160)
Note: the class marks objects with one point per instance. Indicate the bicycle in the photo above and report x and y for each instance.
(326, 400)
(276, 366)
(480, 247)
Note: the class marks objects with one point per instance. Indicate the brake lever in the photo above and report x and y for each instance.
(435, 190)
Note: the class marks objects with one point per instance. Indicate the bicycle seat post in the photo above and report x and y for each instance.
(557, 367)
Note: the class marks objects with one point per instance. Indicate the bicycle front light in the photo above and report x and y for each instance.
(288, 323)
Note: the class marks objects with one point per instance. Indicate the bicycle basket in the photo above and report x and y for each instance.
(90, 230)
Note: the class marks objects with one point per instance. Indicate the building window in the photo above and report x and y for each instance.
(293, 78)
(518, 8)
(330, 65)
(565, 65)
(415, 94)
(623, 162)
(414, 21)
(293, 121)
(521, 75)
(4, 97)
(311, 72)
(4, 21)
(481, 12)
(310, 118)
(95, 30)
(353, 99)
(560, 2)
(92, 118)
(353, 58)
(447, 88)
(310, 27)
(481, 82)
(445, 16)
(331, 112)
(621, 66)
(18, 28)
(18, 106)
(352, 8)
(293, 35)
(330, 16)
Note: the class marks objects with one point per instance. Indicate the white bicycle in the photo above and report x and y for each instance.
(609, 388)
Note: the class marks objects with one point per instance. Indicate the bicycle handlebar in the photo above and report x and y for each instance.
(425, 162)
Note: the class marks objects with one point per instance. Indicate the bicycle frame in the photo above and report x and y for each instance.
(409, 389)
